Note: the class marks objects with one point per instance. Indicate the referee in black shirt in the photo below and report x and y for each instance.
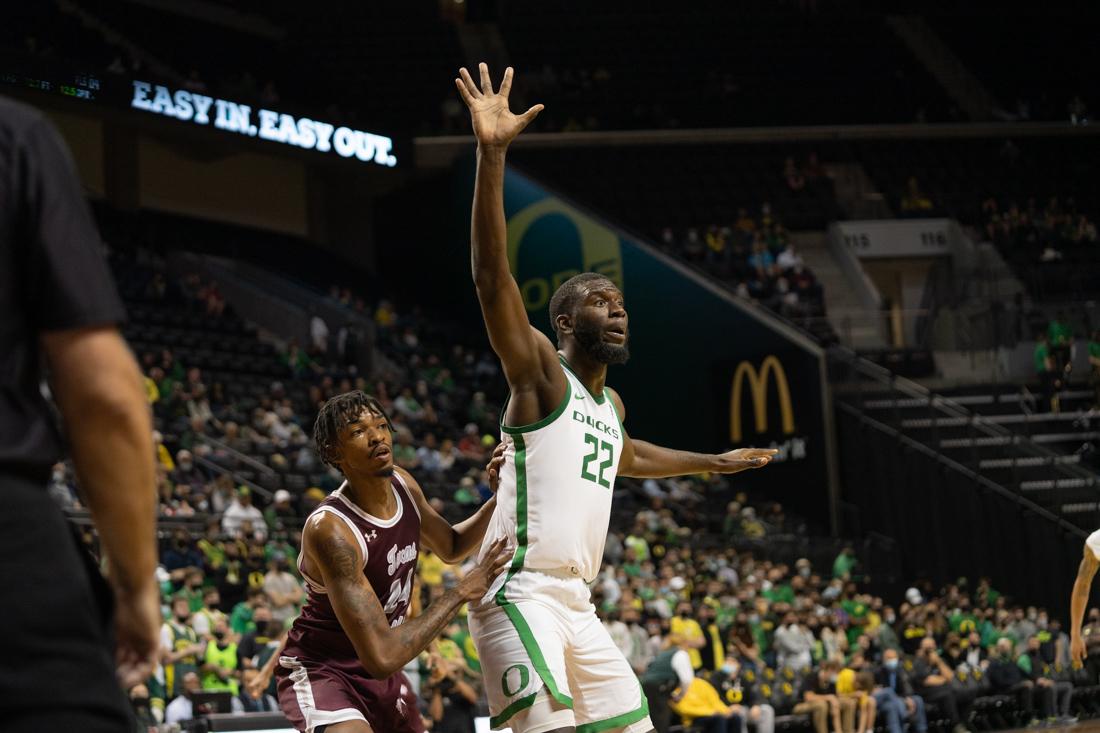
(69, 644)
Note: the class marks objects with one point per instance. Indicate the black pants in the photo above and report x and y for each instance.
(945, 699)
(658, 695)
(1026, 695)
(58, 672)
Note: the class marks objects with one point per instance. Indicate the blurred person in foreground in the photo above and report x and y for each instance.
(59, 302)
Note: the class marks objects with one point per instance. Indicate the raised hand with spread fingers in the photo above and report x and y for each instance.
(495, 125)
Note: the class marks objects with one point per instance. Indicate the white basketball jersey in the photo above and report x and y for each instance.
(1093, 543)
(554, 497)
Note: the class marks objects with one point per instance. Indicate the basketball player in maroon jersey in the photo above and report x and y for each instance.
(340, 667)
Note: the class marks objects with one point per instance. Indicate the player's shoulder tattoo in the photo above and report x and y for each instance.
(336, 552)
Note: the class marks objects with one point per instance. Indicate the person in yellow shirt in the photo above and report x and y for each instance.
(431, 568)
(702, 702)
(854, 687)
(684, 626)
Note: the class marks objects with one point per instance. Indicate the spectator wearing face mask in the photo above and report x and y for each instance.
(1055, 697)
(180, 649)
(253, 644)
(1053, 642)
(206, 617)
(689, 630)
(638, 654)
(219, 669)
(793, 644)
(895, 696)
(283, 589)
(886, 633)
(933, 681)
(144, 712)
(746, 702)
(1008, 678)
(182, 553)
(819, 698)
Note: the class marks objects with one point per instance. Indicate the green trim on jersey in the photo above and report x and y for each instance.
(619, 721)
(541, 423)
(530, 645)
(517, 705)
(616, 411)
(600, 398)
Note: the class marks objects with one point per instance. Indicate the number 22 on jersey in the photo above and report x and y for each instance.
(599, 447)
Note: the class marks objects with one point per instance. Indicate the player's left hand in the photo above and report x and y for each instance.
(495, 463)
(742, 459)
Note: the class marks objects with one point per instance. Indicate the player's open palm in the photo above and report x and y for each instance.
(476, 583)
(494, 124)
(743, 459)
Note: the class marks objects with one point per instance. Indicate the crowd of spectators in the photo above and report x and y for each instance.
(1041, 233)
(720, 634)
(754, 257)
(761, 637)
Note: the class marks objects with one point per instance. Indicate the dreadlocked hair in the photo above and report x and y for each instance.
(568, 294)
(337, 413)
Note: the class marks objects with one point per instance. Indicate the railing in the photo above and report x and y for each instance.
(1055, 517)
(853, 375)
(240, 458)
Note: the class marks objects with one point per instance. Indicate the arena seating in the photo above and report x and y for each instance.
(758, 66)
(1009, 437)
(1049, 56)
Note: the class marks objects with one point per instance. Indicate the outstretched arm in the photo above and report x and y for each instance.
(383, 650)
(525, 354)
(654, 461)
(646, 460)
(453, 544)
(1081, 589)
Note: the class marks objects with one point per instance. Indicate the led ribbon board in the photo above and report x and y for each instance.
(266, 124)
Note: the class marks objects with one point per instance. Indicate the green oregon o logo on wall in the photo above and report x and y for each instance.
(557, 261)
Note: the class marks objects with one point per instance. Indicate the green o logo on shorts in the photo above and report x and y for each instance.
(521, 678)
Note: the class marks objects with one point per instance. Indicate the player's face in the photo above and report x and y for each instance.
(600, 324)
(366, 445)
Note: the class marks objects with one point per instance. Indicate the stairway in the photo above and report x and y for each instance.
(857, 327)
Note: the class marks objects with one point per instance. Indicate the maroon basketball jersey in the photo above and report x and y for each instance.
(390, 548)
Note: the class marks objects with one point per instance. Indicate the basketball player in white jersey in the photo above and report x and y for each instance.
(548, 662)
(1081, 589)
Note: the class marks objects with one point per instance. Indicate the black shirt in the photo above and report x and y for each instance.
(52, 278)
(458, 712)
(812, 682)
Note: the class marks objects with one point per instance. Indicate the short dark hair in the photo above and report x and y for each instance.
(338, 412)
(569, 293)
